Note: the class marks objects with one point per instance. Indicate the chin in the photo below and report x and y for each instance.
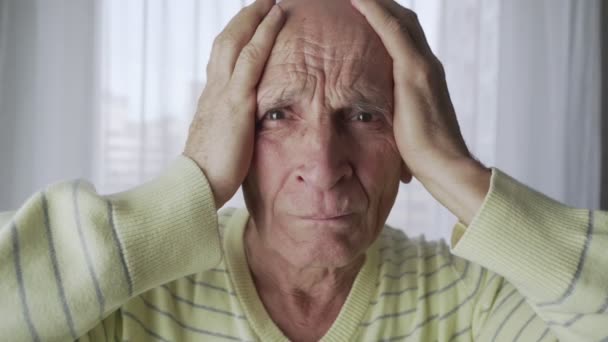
(324, 245)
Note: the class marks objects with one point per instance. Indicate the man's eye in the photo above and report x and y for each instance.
(274, 115)
(364, 117)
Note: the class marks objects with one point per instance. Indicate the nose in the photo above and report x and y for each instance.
(324, 157)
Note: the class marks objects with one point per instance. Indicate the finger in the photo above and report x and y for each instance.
(228, 44)
(391, 29)
(252, 60)
(410, 19)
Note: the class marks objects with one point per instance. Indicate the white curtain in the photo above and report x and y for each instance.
(105, 90)
(549, 108)
(47, 87)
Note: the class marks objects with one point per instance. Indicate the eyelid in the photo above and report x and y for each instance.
(374, 114)
(265, 115)
(372, 108)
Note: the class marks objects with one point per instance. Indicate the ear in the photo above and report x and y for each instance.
(406, 174)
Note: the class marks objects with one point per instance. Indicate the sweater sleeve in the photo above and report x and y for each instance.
(555, 256)
(70, 257)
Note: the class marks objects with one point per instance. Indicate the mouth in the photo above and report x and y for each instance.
(345, 218)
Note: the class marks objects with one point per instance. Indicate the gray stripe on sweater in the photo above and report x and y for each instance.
(55, 264)
(504, 322)
(141, 324)
(467, 299)
(85, 248)
(447, 287)
(458, 333)
(193, 281)
(105, 331)
(391, 315)
(521, 330)
(201, 306)
(418, 326)
(604, 307)
(411, 257)
(543, 334)
(19, 274)
(415, 272)
(504, 300)
(579, 267)
(427, 294)
(119, 246)
(185, 326)
(494, 276)
(415, 309)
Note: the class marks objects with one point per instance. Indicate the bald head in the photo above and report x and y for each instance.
(332, 43)
(334, 21)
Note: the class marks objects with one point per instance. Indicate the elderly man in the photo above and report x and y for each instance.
(318, 108)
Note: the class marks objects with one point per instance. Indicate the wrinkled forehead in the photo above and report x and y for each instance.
(329, 40)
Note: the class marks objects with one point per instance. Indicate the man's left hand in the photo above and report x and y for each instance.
(425, 126)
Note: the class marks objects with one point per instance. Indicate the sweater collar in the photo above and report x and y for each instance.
(351, 314)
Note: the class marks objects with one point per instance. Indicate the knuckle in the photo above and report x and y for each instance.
(235, 95)
(251, 53)
(425, 71)
(417, 73)
(225, 40)
(392, 24)
(216, 74)
(428, 72)
(233, 104)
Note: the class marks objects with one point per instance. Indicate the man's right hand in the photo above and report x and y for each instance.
(221, 135)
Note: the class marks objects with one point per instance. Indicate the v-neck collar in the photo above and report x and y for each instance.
(351, 314)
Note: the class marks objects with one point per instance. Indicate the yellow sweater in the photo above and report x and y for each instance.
(147, 265)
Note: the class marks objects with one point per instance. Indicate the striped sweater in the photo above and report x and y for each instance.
(158, 263)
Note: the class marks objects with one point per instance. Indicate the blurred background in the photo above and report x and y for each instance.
(105, 90)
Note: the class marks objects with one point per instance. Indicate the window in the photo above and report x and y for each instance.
(152, 59)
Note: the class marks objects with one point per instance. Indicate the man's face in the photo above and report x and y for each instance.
(325, 170)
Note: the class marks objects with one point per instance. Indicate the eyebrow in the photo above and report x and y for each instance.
(364, 104)
(375, 103)
(283, 99)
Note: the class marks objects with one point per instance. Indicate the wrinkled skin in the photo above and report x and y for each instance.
(324, 144)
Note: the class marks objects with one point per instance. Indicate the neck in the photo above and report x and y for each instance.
(300, 287)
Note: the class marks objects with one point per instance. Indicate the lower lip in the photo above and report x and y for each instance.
(338, 219)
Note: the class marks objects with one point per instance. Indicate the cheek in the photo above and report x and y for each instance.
(378, 166)
(377, 159)
(268, 171)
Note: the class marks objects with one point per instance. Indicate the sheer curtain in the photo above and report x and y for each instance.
(105, 90)
(47, 90)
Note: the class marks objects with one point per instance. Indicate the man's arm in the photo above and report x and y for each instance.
(70, 257)
(553, 254)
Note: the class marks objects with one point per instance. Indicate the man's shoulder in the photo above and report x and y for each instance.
(394, 238)
(399, 249)
(403, 257)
